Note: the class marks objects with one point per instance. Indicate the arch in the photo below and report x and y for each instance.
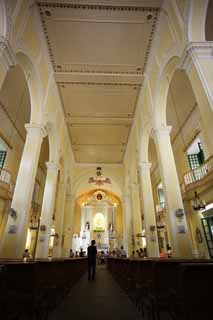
(197, 19)
(80, 184)
(32, 77)
(89, 192)
(162, 92)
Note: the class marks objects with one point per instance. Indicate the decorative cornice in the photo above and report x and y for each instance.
(63, 83)
(7, 53)
(203, 50)
(93, 68)
(96, 7)
(194, 52)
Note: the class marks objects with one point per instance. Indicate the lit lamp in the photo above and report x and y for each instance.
(99, 179)
(198, 204)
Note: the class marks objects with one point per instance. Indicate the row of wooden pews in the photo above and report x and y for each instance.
(176, 289)
(32, 289)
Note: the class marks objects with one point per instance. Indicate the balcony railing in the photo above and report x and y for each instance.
(5, 177)
(199, 173)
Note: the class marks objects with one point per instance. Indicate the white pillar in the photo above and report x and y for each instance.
(59, 218)
(148, 210)
(127, 224)
(47, 210)
(68, 224)
(136, 214)
(14, 239)
(178, 229)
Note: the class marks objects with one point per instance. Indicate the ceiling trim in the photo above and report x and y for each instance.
(98, 84)
(96, 7)
(86, 164)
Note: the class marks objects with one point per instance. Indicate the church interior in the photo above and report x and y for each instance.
(106, 134)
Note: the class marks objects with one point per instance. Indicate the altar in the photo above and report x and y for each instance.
(98, 222)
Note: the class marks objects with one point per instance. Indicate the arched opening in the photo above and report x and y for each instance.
(190, 148)
(98, 215)
(15, 112)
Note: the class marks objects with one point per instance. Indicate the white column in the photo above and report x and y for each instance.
(47, 210)
(59, 218)
(14, 239)
(136, 213)
(127, 224)
(148, 210)
(68, 224)
(179, 233)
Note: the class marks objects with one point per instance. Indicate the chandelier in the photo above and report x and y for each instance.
(99, 179)
(198, 204)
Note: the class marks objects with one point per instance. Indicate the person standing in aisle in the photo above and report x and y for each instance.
(91, 253)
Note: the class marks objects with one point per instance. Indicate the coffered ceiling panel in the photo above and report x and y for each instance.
(99, 134)
(98, 154)
(99, 51)
(84, 100)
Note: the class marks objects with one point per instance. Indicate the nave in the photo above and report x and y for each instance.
(145, 289)
(99, 299)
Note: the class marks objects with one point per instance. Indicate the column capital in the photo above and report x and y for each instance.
(195, 50)
(125, 198)
(162, 131)
(143, 165)
(70, 196)
(52, 166)
(36, 129)
(7, 52)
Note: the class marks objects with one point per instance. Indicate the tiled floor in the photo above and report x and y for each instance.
(100, 299)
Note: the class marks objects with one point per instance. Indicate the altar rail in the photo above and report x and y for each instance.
(32, 289)
(199, 173)
(176, 289)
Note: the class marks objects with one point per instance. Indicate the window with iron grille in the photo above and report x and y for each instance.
(193, 161)
(161, 197)
(2, 157)
(196, 159)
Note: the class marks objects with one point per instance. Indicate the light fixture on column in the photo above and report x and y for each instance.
(99, 179)
(198, 204)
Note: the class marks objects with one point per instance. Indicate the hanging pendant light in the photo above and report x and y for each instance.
(99, 179)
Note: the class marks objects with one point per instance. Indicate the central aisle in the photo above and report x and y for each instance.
(100, 299)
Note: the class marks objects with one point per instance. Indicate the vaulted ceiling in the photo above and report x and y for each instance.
(99, 51)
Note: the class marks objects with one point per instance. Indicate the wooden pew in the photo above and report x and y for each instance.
(34, 288)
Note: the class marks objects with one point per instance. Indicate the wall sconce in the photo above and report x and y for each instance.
(179, 213)
(152, 228)
(13, 213)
